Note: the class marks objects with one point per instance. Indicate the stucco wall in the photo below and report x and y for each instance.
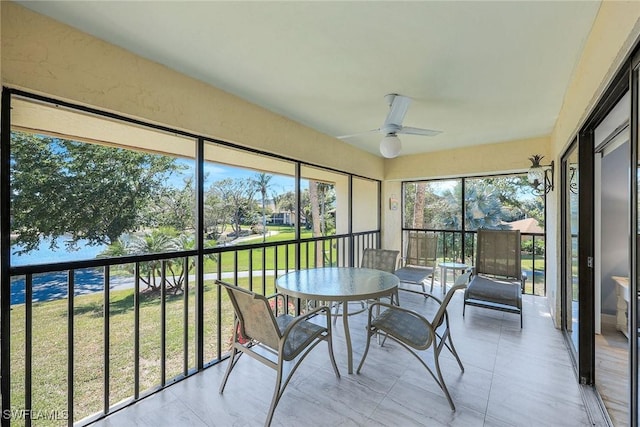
(615, 31)
(44, 56)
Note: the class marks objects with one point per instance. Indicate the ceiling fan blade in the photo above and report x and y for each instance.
(399, 107)
(357, 134)
(417, 131)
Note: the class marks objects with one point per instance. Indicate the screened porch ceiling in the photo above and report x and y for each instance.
(480, 72)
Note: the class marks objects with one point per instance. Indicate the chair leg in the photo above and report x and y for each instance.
(335, 316)
(277, 392)
(443, 386)
(232, 363)
(453, 351)
(366, 350)
(520, 318)
(331, 355)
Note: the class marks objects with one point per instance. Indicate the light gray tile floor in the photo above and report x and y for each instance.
(513, 377)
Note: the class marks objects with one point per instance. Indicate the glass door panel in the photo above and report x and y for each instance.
(570, 279)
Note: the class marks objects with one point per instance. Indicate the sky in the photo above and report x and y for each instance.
(216, 172)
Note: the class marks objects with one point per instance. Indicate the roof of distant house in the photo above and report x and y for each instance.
(527, 225)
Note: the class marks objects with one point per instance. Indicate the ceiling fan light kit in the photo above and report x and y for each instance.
(390, 146)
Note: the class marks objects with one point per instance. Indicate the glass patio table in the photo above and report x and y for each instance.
(341, 284)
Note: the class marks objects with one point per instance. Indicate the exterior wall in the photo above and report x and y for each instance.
(44, 56)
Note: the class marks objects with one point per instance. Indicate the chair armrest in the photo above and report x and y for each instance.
(424, 294)
(307, 316)
(397, 308)
(284, 302)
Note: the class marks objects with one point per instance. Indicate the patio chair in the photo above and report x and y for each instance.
(419, 264)
(414, 332)
(497, 281)
(380, 259)
(377, 259)
(283, 338)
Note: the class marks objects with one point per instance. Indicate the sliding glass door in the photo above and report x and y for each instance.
(570, 275)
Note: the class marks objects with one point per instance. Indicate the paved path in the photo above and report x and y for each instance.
(52, 286)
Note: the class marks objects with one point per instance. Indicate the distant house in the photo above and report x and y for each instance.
(282, 218)
(527, 225)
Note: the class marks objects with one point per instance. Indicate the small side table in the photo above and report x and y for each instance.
(444, 266)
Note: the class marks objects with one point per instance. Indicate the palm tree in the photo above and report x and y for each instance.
(483, 206)
(157, 241)
(261, 181)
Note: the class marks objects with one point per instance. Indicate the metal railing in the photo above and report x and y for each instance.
(145, 322)
(452, 244)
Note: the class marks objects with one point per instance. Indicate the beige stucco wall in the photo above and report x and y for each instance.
(44, 56)
(614, 33)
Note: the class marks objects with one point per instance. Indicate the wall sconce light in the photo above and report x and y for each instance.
(539, 175)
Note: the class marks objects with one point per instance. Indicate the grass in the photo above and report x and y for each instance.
(50, 347)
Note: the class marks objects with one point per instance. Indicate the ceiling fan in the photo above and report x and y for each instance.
(390, 145)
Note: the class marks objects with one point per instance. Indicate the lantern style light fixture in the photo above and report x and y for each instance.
(540, 177)
(390, 146)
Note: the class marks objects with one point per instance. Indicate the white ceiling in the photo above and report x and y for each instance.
(479, 71)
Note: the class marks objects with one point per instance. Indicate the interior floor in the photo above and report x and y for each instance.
(612, 373)
(512, 377)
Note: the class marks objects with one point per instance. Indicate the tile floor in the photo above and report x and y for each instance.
(513, 377)
(612, 373)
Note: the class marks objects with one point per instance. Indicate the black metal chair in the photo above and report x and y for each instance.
(497, 281)
(284, 336)
(414, 332)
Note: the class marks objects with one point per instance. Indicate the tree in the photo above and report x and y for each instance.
(261, 181)
(418, 211)
(78, 190)
(164, 239)
(174, 207)
(216, 214)
(237, 197)
(155, 242)
(314, 207)
(483, 208)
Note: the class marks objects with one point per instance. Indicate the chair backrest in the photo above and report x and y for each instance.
(380, 259)
(498, 253)
(422, 249)
(254, 314)
(461, 283)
